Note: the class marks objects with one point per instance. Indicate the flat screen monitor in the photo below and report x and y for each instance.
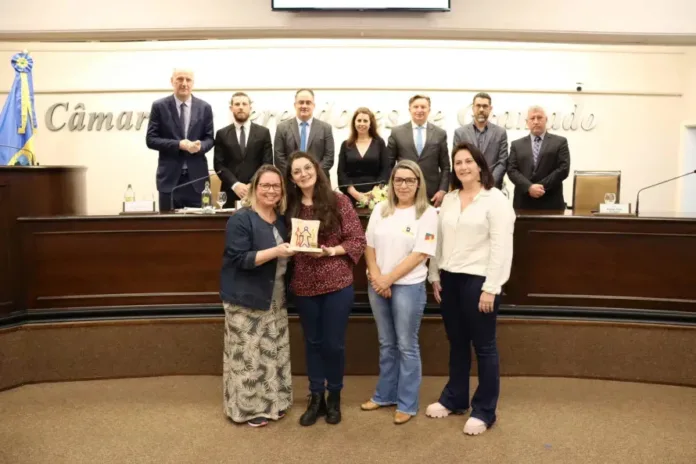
(361, 5)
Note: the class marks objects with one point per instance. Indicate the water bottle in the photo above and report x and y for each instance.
(207, 199)
(130, 194)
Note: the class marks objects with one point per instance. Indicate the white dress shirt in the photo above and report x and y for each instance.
(475, 241)
(238, 129)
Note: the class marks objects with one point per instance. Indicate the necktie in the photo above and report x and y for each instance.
(536, 148)
(303, 137)
(242, 140)
(419, 139)
(182, 119)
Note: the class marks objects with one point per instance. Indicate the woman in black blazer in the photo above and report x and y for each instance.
(256, 363)
(363, 158)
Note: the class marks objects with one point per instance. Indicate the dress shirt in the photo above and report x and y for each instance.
(187, 119)
(309, 127)
(475, 241)
(532, 137)
(238, 130)
(481, 136)
(424, 133)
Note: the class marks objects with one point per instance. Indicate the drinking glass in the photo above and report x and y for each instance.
(610, 198)
(221, 199)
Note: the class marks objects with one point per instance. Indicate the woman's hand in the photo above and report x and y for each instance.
(381, 283)
(437, 291)
(486, 302)
(284, 251)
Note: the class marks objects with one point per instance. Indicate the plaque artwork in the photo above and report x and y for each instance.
(305, 235)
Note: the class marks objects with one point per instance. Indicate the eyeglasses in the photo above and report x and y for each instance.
(409, 181)
(268, 187)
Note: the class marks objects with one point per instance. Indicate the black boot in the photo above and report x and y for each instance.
(333, 408)
(315, 408)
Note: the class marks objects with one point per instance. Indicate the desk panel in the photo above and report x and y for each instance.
(173, 260)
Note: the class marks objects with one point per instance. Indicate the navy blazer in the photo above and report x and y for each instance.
(164, 135)
(241, 281)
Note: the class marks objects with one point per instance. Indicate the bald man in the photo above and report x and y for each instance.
(181, 130)
(538, 165)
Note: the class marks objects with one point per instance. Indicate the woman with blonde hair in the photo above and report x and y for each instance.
(401, 236)
(256, 361)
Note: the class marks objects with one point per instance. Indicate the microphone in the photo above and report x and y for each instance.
(19, 149)
(364, 183)
(171, 200)
(659, 183)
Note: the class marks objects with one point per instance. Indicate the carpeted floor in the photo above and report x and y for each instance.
(180, 420)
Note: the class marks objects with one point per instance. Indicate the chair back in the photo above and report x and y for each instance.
(215, 185)
(589, 188)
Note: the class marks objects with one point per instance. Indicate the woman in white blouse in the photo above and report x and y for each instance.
(401, 235)
(472, 263)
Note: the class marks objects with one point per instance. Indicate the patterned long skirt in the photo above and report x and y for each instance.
(256, 372)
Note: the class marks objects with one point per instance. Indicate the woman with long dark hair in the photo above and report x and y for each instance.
(322, 283)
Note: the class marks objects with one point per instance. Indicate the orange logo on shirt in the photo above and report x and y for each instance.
(429, 237)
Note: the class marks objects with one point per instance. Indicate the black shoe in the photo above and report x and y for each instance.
(333, 408)
(315, 408)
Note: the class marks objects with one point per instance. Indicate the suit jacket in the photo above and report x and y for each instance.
(434, 160)
(164, 135)
(495, 148)
(320, 143)
(552, 169)
(238, 167)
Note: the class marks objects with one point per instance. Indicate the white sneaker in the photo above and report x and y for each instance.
(437, 411)
(474, 426)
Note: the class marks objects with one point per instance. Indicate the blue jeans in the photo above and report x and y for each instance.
(465, 326)
(324, 320)
(398, 321)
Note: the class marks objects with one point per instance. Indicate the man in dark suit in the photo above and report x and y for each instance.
(426, 144)
(538, 165)
(240, 149)
(181, 130)
(304, 133)
(489, 138)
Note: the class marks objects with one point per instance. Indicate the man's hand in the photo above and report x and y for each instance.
(184, 144)
(241, 190)
(536, 191)
(194, 147)
(437, 198)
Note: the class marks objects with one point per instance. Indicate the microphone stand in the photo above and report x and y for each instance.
(655, 185)
(171, 200)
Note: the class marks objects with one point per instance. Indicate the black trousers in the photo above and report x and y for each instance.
(466, 325)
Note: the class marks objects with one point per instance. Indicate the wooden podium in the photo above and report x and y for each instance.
(32, 191)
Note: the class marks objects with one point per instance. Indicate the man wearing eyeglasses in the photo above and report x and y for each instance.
(240, 149)
(489, 138)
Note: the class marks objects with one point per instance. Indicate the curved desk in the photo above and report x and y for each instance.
(117, 296)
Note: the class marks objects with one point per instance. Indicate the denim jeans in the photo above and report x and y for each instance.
(466, 325)
(398, 321)
(324, 320)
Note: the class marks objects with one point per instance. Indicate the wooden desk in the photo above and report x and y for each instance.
(575, 262)
(32, 191)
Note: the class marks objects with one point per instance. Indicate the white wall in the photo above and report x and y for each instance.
(634, 17)
(633, 99)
